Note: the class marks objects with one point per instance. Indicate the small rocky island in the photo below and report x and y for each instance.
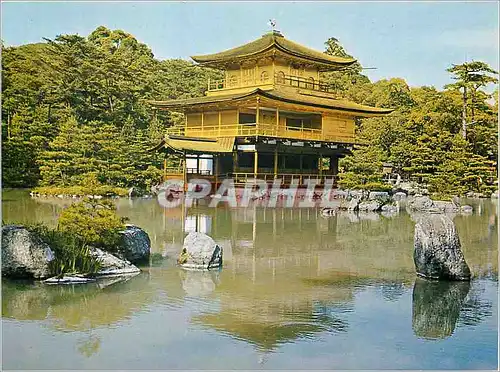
(25, 255)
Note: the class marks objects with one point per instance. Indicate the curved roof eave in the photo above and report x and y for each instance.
(355, 109)
(273, 42)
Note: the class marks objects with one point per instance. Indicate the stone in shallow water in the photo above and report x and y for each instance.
(136, 245)
(200, 252)
(111, 265)
(438, 253)
(24, 254)
(69, 280)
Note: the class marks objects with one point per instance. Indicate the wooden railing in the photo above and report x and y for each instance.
(176, 130)
(254, 129)
(300, 82)
(285, 178)
(239, 178)
(278, 78)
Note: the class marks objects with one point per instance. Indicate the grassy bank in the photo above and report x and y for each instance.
(101, 190)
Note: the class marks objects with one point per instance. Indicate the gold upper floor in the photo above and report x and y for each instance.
(269, 77)
(269, 63)
(278, 122)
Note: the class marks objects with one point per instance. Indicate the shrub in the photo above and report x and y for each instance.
(94, 222)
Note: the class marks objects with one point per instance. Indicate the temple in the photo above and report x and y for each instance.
(270, 118)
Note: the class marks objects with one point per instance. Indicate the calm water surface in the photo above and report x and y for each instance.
(297, 291)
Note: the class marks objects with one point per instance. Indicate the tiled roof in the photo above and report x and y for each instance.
(296, 98)
(267, 42)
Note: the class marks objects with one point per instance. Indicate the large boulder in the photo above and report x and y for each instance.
(200, 252)
(136, 245)
(24, 254)
(426, 204)
(112, 265)
(420, 203)
(412, 188)
(437, 251)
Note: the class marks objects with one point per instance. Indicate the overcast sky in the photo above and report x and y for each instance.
(416, 41)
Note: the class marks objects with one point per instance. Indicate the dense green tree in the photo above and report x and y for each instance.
(470, 77)
(343, 80)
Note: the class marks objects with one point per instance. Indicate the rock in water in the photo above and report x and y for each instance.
(466, 209)
(200, 252)
(438, 253)
(113, 266)
(436, 307)
(24, 254)
(420, 203)
(136, 245)
(370, 206)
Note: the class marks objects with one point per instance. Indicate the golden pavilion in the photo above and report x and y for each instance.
(271, 117)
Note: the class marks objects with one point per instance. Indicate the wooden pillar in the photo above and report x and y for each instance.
(255, 163)
(197, 164)
(202, 119)
(257, 114)
(235, 161)
(184, 172)
(334, 165)
(220, 122)
(216, 159)
(320, 165)
(277, 120)
(276, 162)
(165, 168)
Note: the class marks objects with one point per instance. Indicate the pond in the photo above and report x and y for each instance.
(297, 291)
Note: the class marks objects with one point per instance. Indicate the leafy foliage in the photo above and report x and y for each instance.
(424, 137)
(93, 221)
(71, 254)
(77, 105)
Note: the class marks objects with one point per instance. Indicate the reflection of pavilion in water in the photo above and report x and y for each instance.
(290, 273)
(296, 237)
